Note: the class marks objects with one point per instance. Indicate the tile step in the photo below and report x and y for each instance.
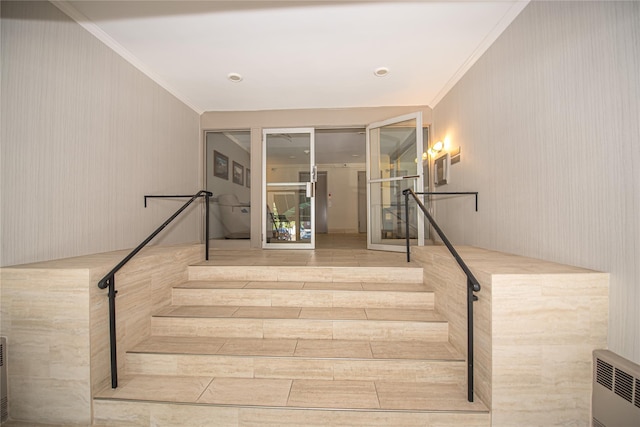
(299, 359)
(306, 285)
(261, 325)
(302, 313)
(304, 295)
(330, 348)
(290, 398)
(126, 413)
(369, 274)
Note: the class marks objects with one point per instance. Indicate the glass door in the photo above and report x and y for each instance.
(289, 177)
(394, 163)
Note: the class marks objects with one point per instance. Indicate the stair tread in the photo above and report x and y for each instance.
(302, 285)
(299, 348)
(294, 393)
(307, 313)
(269, 270)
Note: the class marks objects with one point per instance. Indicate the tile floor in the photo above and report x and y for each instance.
(294, 393)
(335, 250)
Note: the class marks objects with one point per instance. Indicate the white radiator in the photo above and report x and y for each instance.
(4, 403)
(616, 391)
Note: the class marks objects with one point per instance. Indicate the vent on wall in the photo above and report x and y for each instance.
(616, 391)
(4, 403)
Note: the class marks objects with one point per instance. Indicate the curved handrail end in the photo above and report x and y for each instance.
(102, 284)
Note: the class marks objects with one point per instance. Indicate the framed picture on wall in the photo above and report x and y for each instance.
(220, 165)
(248, 181)
(238, 173)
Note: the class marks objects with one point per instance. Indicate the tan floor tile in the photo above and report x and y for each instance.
(268, 312)
(165, 311)
(207, 327)
(328, 313)
(201, 311)
(247, 391)
(423, 396)
(333, 348)
(193, 416)
(259, 347)
(181, 345)
(333, 394)
(222, 297)
(384, 299)
(317, 274)
(402, 314)
(400, 287)
(162, 388)
(384, 330)
(258, 417)
(274, 285)
(205, 284)
(215, 366)
(413, 350)
(293, 368)
(299, 328)
(342, 286)
(302, 298)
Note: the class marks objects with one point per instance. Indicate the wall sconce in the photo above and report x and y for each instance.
(435, 149)
(439, 146)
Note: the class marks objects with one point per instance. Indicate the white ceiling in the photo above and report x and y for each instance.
(295, 55)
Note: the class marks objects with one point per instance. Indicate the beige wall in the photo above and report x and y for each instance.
(342, 185)
(218, 141)
(547, 122)
(542, 376)
(56, 322)
(85, 136)
(320, 118)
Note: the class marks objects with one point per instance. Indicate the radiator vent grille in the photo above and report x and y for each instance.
(4, 409)
(624, 385)
(616, 391)
(4, 397)
(604, 374)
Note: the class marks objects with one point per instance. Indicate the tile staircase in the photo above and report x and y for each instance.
(319, 346)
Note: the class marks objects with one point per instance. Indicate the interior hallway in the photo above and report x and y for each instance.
(337, 250)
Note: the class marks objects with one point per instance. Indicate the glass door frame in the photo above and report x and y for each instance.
(309, 187)
(418, 180)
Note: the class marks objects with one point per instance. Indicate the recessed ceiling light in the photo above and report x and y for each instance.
(381, 71)
(234, 77)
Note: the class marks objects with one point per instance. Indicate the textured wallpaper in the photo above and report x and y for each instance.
(548, 122)
(85, 136)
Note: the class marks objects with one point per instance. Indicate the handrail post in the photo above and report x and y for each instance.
(112, 330)
(406, 225)
(470, 299)
(207, 195)
(472, 286)
(109, 279)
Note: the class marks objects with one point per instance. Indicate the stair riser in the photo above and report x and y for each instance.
(303, 298)
(435, 372)
(300, 328)
(310, 274)
(114, 413)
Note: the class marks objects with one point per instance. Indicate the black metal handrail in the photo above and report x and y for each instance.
(472, 283)
(109, 279)
(452, 193)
